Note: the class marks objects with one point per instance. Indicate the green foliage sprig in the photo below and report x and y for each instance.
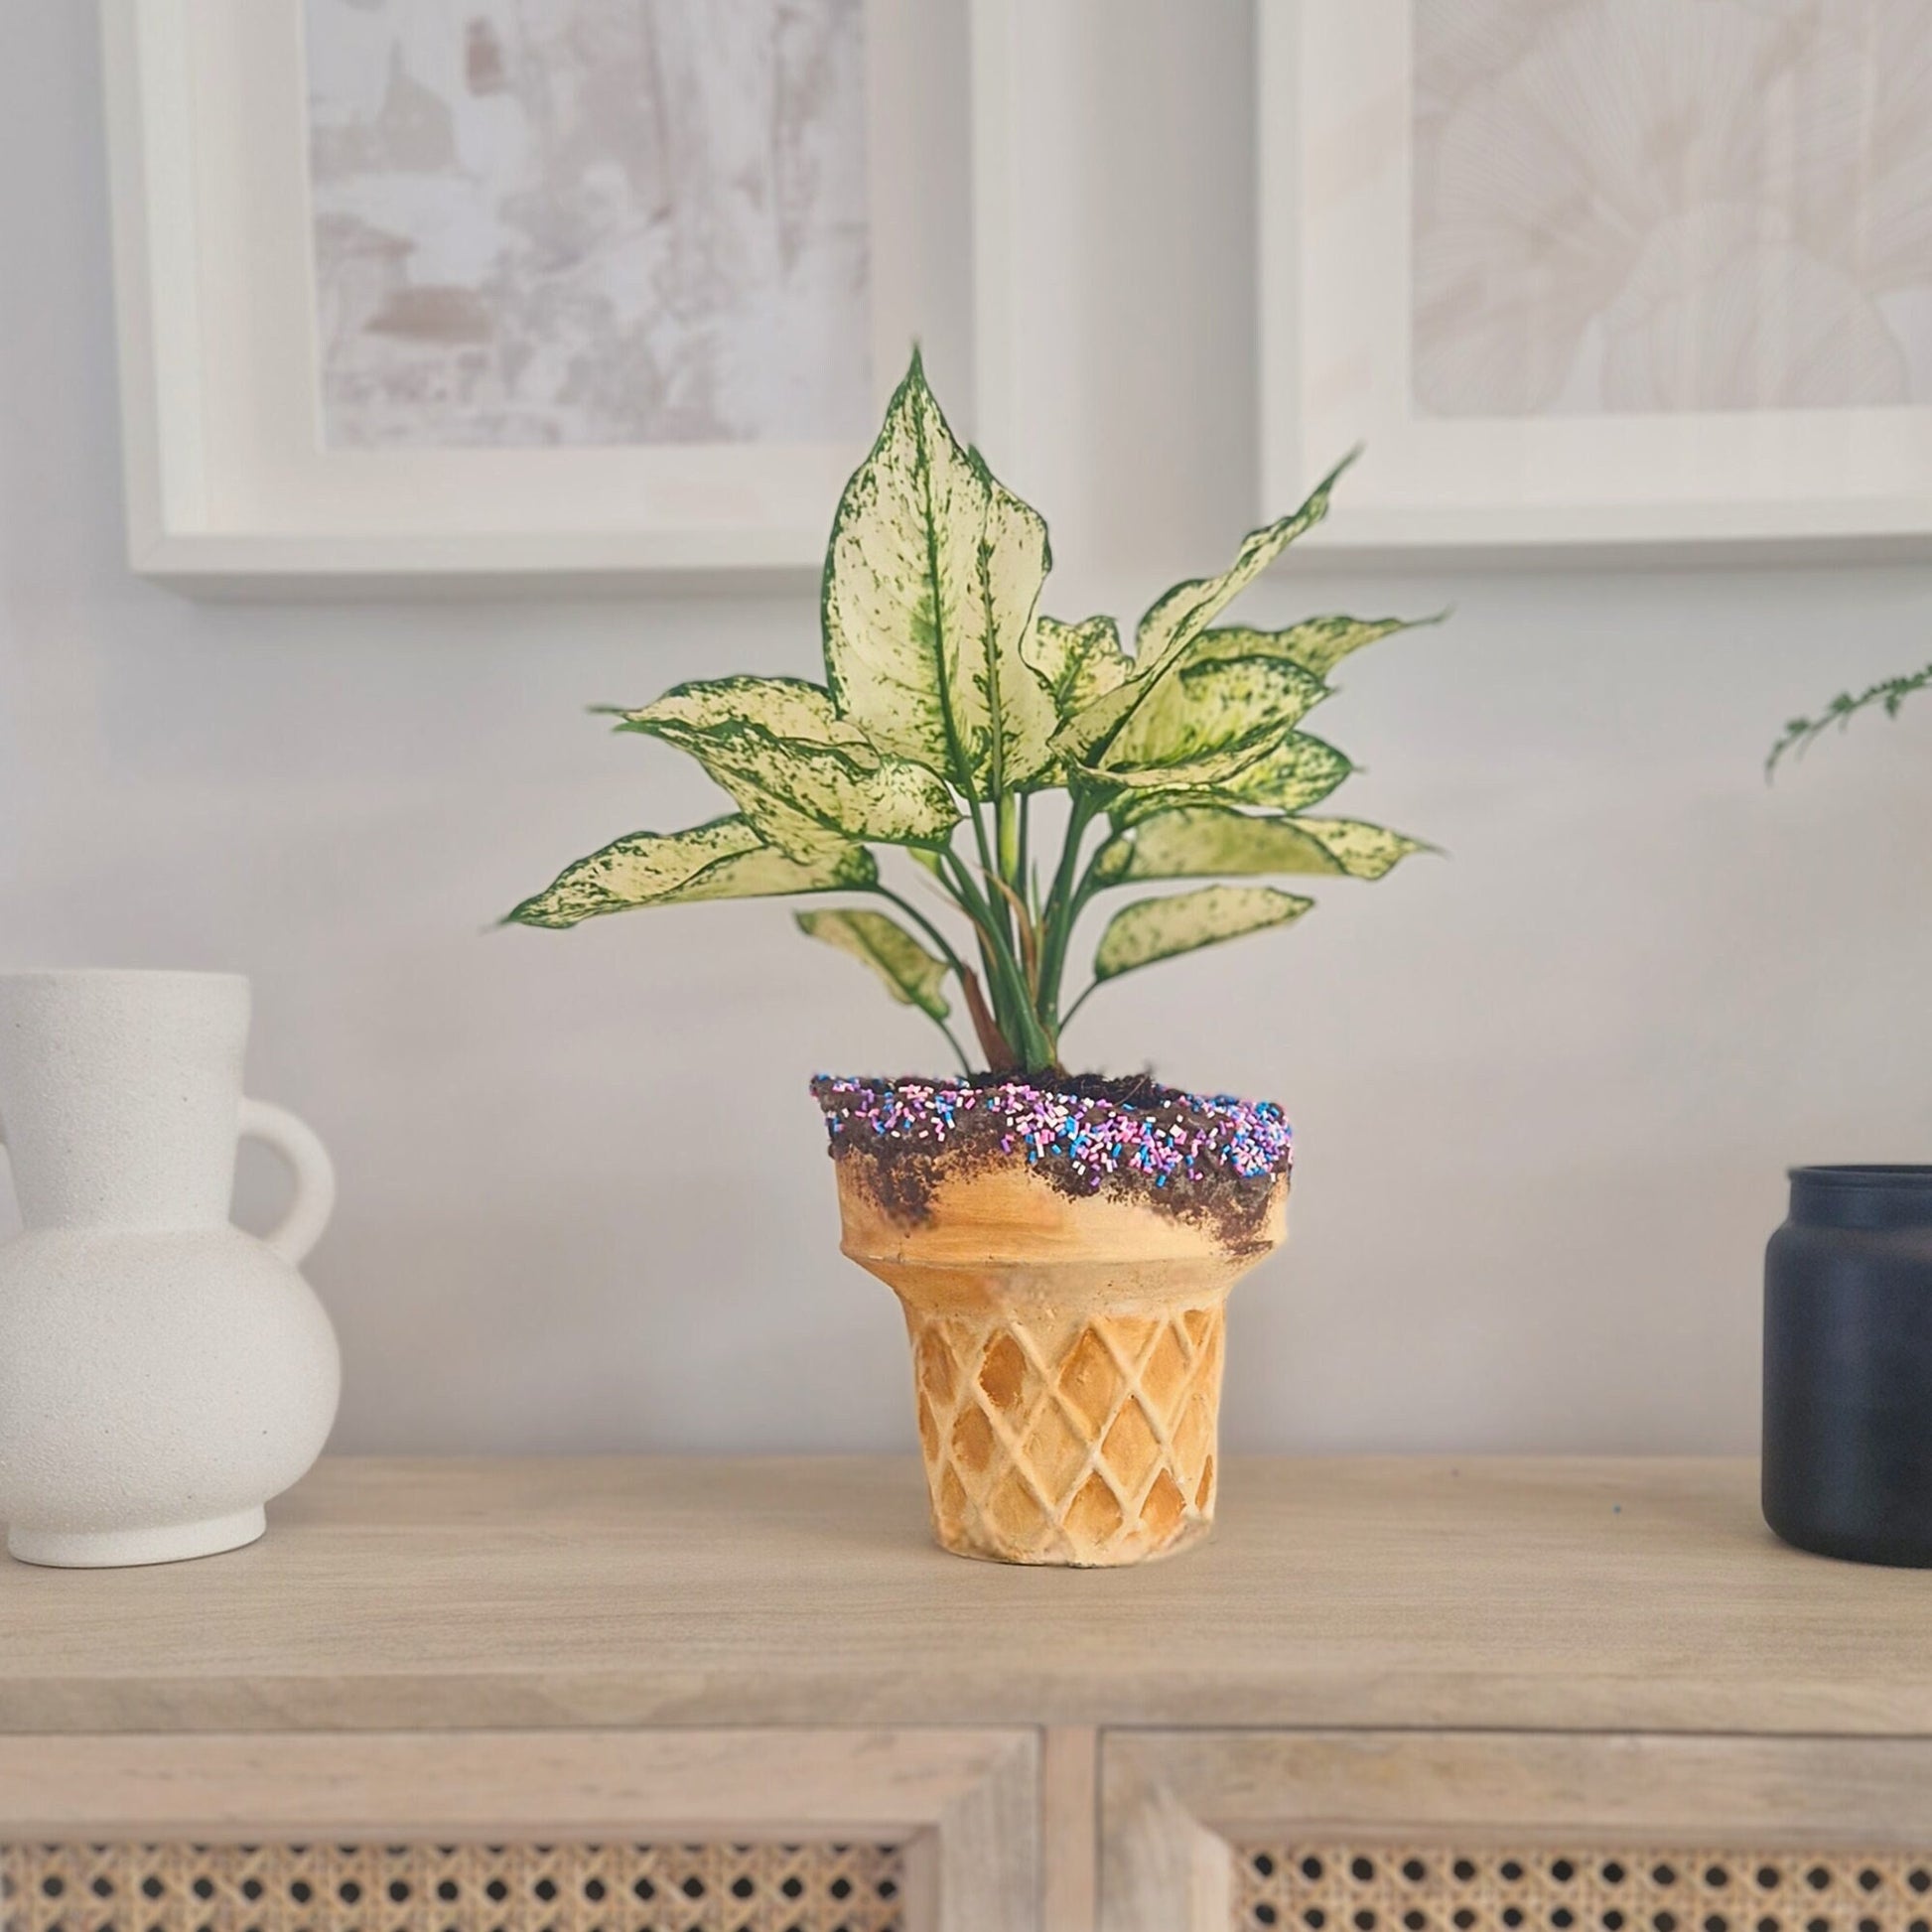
(951, 703)
(1888, 694)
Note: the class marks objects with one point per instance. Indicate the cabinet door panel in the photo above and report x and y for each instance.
(1498, 1831)
(712, 1830)
(718, 1887)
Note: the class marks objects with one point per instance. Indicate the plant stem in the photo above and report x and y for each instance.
(920, 920)
(1006, 820)
(1086, 993)
(996, 951)
(958, 881)
(1089, 884)
(1000, 1054)
(995, 1025)
(1061, 912)
(945, 949)
(959, 1053)
(1013, 997)
(998, 914)
(946, 952)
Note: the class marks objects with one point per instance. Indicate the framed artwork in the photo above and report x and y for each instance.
(1600, 272)
(435, 291)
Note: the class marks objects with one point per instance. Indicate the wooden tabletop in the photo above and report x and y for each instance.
(1569, 1594)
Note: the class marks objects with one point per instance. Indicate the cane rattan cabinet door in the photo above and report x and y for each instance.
(1498, 1831)
(426, 1887)
(726, 1830)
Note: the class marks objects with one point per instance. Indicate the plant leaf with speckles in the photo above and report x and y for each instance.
(930, 586)
(1079, 661)
(1317, 644)
(808, 780)
(1176, 619)
(912, 976)
(1162, 928)
(1203, 721)
(725, 859)
(1300, 771)
(1210, 842)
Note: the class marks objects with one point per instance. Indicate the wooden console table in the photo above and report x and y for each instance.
(1390, 1696)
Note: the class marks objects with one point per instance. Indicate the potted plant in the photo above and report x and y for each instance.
(1062, 1244)
(1847, 1322)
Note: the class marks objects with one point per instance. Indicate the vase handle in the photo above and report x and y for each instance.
(314, 1177)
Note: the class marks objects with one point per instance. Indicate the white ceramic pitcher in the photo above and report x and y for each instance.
(162, 1373)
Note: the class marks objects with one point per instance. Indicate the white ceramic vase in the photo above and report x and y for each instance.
(162, 1374)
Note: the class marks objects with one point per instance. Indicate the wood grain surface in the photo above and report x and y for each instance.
(1571, 1594)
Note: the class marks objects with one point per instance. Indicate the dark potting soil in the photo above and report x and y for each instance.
(1210, 1159)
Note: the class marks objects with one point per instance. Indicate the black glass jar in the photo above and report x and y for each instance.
(1847, 1365)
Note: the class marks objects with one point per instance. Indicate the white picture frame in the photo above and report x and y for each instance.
(1336, 151)
(229, 489)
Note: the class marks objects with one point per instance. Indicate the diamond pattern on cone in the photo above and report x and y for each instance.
(1067, 1357)
(1086, 1442)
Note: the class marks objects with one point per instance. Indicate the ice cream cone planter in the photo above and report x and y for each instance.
(1066, 1315)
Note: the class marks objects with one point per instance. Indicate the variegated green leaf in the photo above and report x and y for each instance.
(1188, 609)
(1079, 661)
(1204, 721)
(930, 583)
(1300, 771)
(1298, 656)
(1318, 645)
(1176, 618)
(725, 859)
(1161, 928)
(1355, 849)
(789, 708)
(912, 975)
(808, 780)
(1208, 842)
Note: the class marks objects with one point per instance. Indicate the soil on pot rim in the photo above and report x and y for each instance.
(1211, 1158)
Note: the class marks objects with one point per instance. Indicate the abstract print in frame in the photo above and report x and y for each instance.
(1589, 271)
(460, 292)
(571, 222)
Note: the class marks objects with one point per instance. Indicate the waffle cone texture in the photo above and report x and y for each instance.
(1066, 1360)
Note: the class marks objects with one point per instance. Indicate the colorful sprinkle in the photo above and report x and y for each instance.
(1191, 1136)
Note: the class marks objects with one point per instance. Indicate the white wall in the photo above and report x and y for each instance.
(1546, 1088)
